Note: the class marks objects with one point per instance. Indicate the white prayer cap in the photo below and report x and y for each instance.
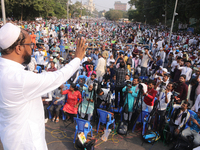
(165, 70)
(9, 34)
(61, 58)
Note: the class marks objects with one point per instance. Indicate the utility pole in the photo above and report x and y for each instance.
(81, 7)
(67, 9)
(172, 22)
(3, 11)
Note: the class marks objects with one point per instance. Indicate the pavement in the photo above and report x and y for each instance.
(60, 136)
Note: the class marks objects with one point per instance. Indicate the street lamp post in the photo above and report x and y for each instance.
(173, 21)
(3, 11)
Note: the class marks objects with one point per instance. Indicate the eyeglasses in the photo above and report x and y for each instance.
(30, 44)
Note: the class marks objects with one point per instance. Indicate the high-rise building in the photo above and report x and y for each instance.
(120, 6)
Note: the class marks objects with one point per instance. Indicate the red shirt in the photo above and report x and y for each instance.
(33, 37)
(149, 99)
(135, 51)
(52, 69)
(72, 100)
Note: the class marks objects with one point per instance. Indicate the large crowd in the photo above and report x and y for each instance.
(119, 57)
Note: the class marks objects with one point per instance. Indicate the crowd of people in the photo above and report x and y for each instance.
(119, 57)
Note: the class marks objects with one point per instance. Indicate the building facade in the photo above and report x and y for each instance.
(120, 6)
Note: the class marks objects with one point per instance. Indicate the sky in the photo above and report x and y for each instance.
(104, 4)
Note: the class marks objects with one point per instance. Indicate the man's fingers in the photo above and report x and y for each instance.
(85, 47)
(78, 42)
(82, 41)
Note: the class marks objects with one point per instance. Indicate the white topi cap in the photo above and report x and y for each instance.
(9, 34)
(165, 70)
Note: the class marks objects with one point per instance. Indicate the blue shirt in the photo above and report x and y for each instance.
(95, 59)
(193, 125)
(159, 63)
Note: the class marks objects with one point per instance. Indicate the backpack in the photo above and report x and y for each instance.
(129, 61)
(122, 128)
(151, 136)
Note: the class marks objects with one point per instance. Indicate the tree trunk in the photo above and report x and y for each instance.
(21, 12)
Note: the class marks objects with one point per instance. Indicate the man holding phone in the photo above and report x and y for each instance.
(144, 62)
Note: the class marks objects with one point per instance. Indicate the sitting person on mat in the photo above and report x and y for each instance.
(87, 105)
(131, 94)
(58, 102)
(74, 98)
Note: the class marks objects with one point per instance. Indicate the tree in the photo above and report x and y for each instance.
(113, 15)
(29, 9)
(153, 10)
(132, 2)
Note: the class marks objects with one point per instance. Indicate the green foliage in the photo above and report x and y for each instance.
(115, 15)
(132, 2)
(153, 10)
(29, 9)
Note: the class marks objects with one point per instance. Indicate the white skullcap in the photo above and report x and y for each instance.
(164, 69)
(9, 34)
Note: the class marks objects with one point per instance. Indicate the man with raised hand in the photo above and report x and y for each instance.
(21, 110)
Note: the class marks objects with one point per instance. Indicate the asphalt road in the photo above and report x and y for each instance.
(58, 136)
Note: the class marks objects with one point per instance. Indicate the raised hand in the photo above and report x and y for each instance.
(80, 48)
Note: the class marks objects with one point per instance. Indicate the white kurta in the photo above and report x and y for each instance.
(39, 57)
(101, 67)
(21, 110)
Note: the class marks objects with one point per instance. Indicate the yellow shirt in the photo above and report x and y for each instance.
(125, 58)
(45, 52)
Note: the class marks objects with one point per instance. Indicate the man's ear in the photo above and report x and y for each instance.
(18, 50)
